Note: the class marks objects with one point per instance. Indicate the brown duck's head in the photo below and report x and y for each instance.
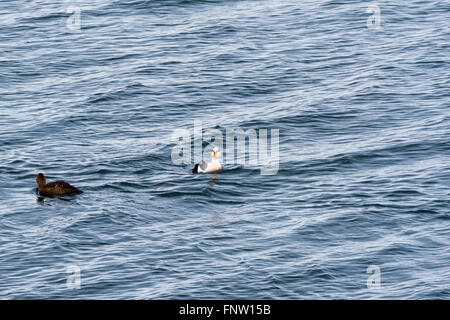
(40, 180)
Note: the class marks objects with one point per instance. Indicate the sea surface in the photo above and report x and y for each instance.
(91, 92)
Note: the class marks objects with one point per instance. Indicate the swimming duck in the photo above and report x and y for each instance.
(58, 188)
(208, 167)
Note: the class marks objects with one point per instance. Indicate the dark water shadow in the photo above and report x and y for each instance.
(47, 200)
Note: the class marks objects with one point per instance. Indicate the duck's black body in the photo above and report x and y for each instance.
(58, 188)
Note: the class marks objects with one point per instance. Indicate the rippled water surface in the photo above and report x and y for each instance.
(363, 179)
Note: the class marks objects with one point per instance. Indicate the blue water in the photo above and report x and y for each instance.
(364, 167)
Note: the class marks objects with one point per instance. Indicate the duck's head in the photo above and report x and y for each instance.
(40, 179)
(215, 153)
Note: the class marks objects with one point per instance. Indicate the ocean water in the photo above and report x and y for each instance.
(359, 206)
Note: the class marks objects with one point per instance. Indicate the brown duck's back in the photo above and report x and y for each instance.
(58, 188)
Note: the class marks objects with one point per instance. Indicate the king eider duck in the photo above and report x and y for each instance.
(58, 188)
(209, 167)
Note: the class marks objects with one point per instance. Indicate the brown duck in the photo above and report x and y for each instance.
(58, 188)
